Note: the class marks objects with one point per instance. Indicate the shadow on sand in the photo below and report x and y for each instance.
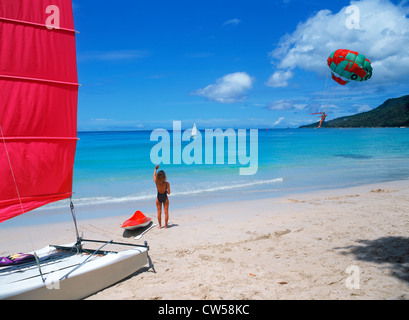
(139, 231)
(391, 252)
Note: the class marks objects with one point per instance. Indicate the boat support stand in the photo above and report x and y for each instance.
(79, 248)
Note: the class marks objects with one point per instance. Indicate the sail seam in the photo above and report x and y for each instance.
(39, 80)
(58, 196)
(34, 24)
(40, 138)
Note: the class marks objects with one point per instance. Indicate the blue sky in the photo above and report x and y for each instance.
(231, 64)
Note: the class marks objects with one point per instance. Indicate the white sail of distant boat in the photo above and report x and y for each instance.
(194, 131)
(38, 137)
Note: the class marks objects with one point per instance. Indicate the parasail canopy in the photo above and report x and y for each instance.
(349, 65)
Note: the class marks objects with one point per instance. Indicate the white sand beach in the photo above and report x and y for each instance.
(348, 243)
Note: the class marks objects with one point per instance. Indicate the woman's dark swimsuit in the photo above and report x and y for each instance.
(162, 197)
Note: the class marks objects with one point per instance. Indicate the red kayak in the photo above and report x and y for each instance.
(138, 220)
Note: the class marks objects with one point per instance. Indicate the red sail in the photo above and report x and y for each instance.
(38, 104)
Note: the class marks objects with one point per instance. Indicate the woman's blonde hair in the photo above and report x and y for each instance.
(161, 176)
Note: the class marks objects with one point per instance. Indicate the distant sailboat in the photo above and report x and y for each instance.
(38, 137)
(194, 131)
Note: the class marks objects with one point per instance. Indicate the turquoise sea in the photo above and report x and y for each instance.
(114, 169)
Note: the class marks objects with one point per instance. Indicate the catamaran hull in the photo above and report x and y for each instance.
(90, 278)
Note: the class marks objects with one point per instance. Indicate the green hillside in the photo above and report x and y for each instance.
(392, 113)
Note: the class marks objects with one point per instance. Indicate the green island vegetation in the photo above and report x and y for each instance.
(392, 113)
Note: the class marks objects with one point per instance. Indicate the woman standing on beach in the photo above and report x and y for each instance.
(163, 190)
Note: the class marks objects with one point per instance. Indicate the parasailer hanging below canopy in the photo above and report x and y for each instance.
(349, 65)
(323, 116)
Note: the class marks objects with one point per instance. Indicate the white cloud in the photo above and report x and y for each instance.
(286, 104)
(383, 37)
(112, 55)
(232, 22)
(278, 121)
(279, 78)
(364, 108)
(280, 105)
(228, 89)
